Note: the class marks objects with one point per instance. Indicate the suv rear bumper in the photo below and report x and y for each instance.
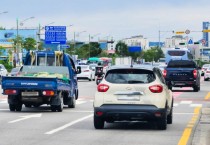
(129, 112)
(182, 83)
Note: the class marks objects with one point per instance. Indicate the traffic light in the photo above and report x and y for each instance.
(182, 43)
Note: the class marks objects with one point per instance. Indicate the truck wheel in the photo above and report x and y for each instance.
(53, 108)
(98, 122)
(60, 107)
(12, 107)
(18, 107)
(28, 105)
(195, 88)
(73, 103)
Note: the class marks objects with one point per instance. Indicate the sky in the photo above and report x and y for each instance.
(110, 18)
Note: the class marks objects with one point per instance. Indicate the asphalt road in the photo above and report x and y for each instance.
(40, 126)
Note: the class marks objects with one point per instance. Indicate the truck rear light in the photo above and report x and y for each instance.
(10, 92)
(195, 73)
(102, 88)
(164, 73)
(156, 88)
(99, 113)
(48, 93)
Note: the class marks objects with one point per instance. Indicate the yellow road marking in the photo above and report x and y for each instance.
(207, 96)
(187, 132)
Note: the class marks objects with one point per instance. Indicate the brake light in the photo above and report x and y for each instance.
(195, 73)
(48, 93)
(86, 70)
(164, 73)
(102, 88)
(207, 71)
(156, 88)
(10, 92)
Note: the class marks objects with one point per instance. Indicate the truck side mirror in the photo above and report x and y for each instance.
(78, 69)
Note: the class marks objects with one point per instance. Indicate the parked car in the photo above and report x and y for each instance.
(133, 94)
(15, 71)
(3, 70)
(207, 74)
(87, 72)
(204, 68)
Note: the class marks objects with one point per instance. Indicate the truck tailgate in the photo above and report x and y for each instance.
(180, 74)
(34, 83)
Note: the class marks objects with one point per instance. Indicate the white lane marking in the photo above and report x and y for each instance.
(183, 113)
(78, 102)
(3, 102)
(196, 105)
(175, 104)
(185, 102)
(68, 125)
(25, 117)
(4, 109)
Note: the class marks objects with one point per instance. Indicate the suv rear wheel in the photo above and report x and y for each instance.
(98, 122)
(196, 88)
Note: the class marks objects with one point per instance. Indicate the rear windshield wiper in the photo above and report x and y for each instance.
(135, 82)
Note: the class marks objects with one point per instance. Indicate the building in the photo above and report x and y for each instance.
(137, 41)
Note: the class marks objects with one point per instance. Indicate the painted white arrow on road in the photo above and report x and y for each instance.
(26, 117)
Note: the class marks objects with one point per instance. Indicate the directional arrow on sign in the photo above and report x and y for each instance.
(26, 117)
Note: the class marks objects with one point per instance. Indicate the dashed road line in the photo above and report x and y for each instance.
(207, 96)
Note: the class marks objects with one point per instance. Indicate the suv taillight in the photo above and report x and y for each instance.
(164, 73)
(102, 88)
(156, 88)
(195, 73)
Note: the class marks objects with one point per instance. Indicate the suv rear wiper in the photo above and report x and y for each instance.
(135, 82)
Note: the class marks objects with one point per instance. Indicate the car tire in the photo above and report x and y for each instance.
(162, 122)
(170, 116)
(205, 79)
(12, 107)
(98, 122)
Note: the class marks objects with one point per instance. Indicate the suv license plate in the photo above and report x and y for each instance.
(128, 98)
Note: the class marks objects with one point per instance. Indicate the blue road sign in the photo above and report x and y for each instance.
(65, 46)
(134, 48)
(190, 41)
(55, 34)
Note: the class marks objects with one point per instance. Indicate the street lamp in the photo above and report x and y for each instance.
(91, 37)
(17, 37)
(77, 36)
(3, 12)
(159, 36)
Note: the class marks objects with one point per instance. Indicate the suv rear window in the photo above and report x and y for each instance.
(129, 76)
(181, 64)
(176, 53)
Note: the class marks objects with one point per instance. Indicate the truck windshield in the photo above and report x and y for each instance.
(43, 71)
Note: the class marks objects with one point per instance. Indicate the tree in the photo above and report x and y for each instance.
(18, 42)
(2, 28)
(95, 49)
(153, 54)
(29, 44)
(121, 49)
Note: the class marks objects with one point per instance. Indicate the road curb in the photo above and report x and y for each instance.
(201, 131)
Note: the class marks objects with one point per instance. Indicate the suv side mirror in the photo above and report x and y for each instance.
(78, 70)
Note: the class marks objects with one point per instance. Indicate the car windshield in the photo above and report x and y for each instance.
(129, 76)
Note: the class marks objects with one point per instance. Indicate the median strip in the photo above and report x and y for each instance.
(188, 130)
(68, 125)
(207, 96)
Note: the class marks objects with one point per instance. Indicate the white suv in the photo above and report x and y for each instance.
(133, 93)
